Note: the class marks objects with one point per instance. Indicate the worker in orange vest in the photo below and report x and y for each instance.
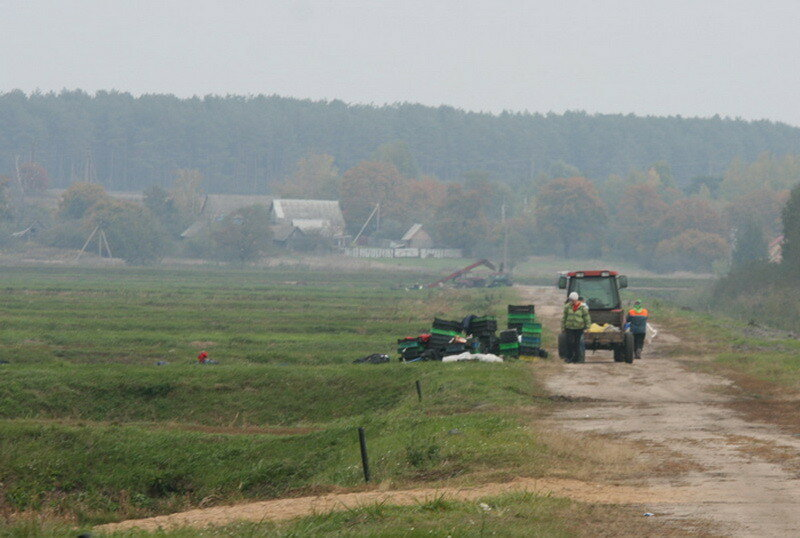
(637, 317)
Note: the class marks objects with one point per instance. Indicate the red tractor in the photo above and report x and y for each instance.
(600, 291)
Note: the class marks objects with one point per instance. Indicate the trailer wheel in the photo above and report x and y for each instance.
(628, 349)
(562, 346)
(619, 353)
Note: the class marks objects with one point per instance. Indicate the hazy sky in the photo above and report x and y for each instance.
(699, 57)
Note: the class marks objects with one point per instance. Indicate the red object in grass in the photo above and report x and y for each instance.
(201, 358)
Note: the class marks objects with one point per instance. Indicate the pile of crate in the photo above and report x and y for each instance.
(477, 334)
(410, 348)
(522, 319)
(483, 329)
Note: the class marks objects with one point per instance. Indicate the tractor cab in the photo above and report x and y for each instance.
(600, 291)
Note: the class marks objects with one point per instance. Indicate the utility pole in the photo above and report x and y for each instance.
(505, 237)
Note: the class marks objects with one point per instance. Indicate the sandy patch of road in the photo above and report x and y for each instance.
(284, 509)
(737, 484)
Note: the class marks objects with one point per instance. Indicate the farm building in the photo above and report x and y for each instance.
(216, 206)
(310, 216)
(286, 235)
(416, 237)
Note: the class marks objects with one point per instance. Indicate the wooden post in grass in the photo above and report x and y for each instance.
(362, 439)
(419, 390)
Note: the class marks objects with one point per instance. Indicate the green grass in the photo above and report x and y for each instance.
(145, 316)
(91, 430)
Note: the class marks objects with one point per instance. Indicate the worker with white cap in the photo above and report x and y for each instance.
(574, 322)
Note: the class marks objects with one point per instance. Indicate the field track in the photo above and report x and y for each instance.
(741, 475)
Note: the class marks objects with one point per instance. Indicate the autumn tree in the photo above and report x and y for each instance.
(763, 206)
(364, 186)
(767, 171)
(571, 212)
(398, 153)
(419, 200)
(461, 221)
(315, 177)
(636, 228)
(162, 206)
(691, 214)
(691, 250)
(244, 235)
(79, 198)
(132, 232)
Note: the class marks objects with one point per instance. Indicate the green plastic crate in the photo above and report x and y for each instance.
(443, 332)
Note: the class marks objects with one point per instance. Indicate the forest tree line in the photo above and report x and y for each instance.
(246, 144)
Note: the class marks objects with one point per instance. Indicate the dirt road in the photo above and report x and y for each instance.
(744, 483)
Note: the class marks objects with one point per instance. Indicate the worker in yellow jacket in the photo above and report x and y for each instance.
(574, 321)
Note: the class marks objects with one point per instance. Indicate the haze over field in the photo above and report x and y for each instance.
(732, 58)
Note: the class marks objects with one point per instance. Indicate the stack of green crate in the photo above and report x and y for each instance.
(531, 339)
(509, 343)
(523, 319)
(442, 332)
(519, 315)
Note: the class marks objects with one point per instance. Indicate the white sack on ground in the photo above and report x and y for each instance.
(467, 356)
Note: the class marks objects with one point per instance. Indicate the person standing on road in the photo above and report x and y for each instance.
(637, 317)
(575, 320)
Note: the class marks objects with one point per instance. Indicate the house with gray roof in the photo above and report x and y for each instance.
(216, 207)
(311, 216)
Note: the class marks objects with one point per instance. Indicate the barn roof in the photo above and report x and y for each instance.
(308, 210)
(217, 206)
(412, 232)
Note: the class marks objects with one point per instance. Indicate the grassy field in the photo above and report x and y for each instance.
(93, 430)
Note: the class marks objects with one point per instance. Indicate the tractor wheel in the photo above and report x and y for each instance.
(562, 346)
(627, 350)
(618, 353)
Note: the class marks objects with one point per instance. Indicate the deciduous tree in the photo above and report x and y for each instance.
(244, 235)
(132, 232)
(571, 212)
(79, 198)
(315, 177)
(691, 250)
(364, 186)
